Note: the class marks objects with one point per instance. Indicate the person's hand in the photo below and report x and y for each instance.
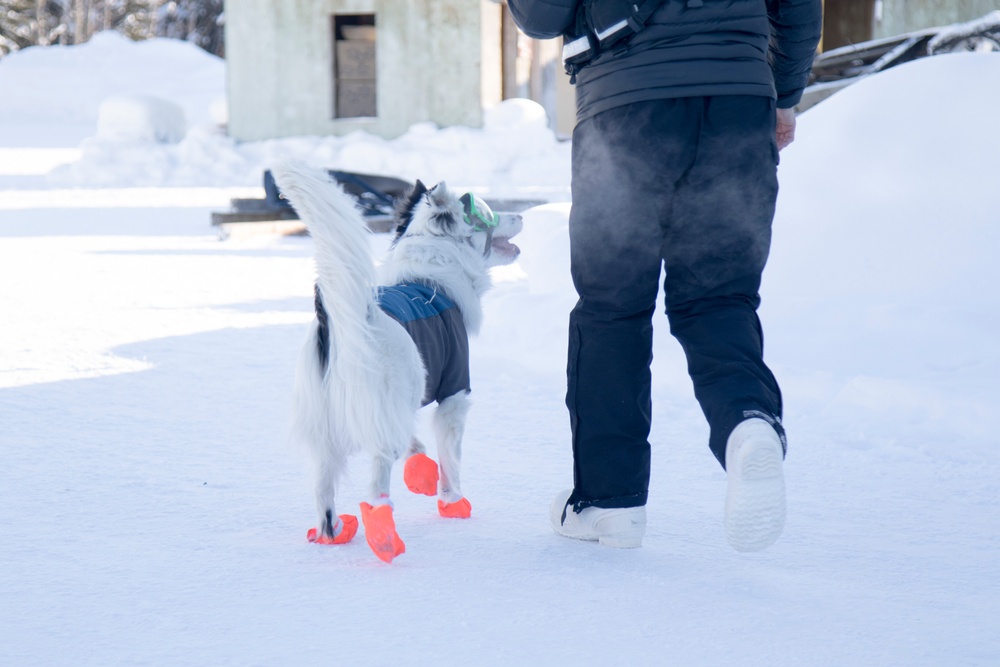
(784, 131)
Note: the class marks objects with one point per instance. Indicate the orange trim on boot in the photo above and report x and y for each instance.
(460, 509)
(347, 533)
(380, 531)
(421, 475)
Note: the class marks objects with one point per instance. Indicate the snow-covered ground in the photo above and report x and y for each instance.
(151, 513)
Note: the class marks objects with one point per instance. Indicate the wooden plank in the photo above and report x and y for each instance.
(243, 224)
(270, 215)
(257, 216)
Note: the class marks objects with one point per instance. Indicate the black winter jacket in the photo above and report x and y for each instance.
(722, 47)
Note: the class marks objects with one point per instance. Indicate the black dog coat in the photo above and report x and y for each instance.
(436, 326)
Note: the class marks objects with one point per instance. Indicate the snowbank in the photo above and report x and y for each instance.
(53, 94)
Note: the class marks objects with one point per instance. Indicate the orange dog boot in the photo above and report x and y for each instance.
(349, 528)
(380, 531)
(460, 509)
(421, 475)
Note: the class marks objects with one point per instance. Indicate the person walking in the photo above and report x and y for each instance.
(674, 166)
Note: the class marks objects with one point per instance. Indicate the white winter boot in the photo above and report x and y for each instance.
(619, 527)
(755, 497)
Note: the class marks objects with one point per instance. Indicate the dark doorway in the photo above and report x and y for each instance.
(354, 66)
(847, 22)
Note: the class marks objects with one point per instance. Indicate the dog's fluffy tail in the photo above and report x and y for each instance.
(344, 266)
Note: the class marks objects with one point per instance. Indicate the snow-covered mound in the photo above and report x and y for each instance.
(51, 95)
(140, 118)
(883, 271)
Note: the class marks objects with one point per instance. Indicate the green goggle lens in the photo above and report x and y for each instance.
(477, 214)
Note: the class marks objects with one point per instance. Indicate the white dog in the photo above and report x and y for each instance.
(375, 355)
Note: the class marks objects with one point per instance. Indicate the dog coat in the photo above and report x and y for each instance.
(433, 322)
(436, 326)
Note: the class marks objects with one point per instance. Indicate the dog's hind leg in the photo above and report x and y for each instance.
(449, 427)
(312, 429)
(378, 490)
(380, 528)
(332, 529)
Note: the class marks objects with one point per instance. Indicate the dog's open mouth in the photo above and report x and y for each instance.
(504, 248)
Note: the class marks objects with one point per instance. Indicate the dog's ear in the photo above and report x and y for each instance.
(442, 204)
(406, 206)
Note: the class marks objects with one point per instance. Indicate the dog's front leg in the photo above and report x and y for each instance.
(416, 447)
(449, 427)
(420, 472)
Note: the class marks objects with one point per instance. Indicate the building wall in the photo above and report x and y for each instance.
(902, 16)
(435, 62)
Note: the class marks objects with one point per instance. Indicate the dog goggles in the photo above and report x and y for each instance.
(477, 214)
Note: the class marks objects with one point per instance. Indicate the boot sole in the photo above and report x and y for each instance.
(755, 500)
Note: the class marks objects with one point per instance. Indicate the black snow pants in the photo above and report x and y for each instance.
(689, 184)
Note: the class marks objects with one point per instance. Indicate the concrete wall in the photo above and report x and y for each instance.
(437, 60)
(901, 16)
